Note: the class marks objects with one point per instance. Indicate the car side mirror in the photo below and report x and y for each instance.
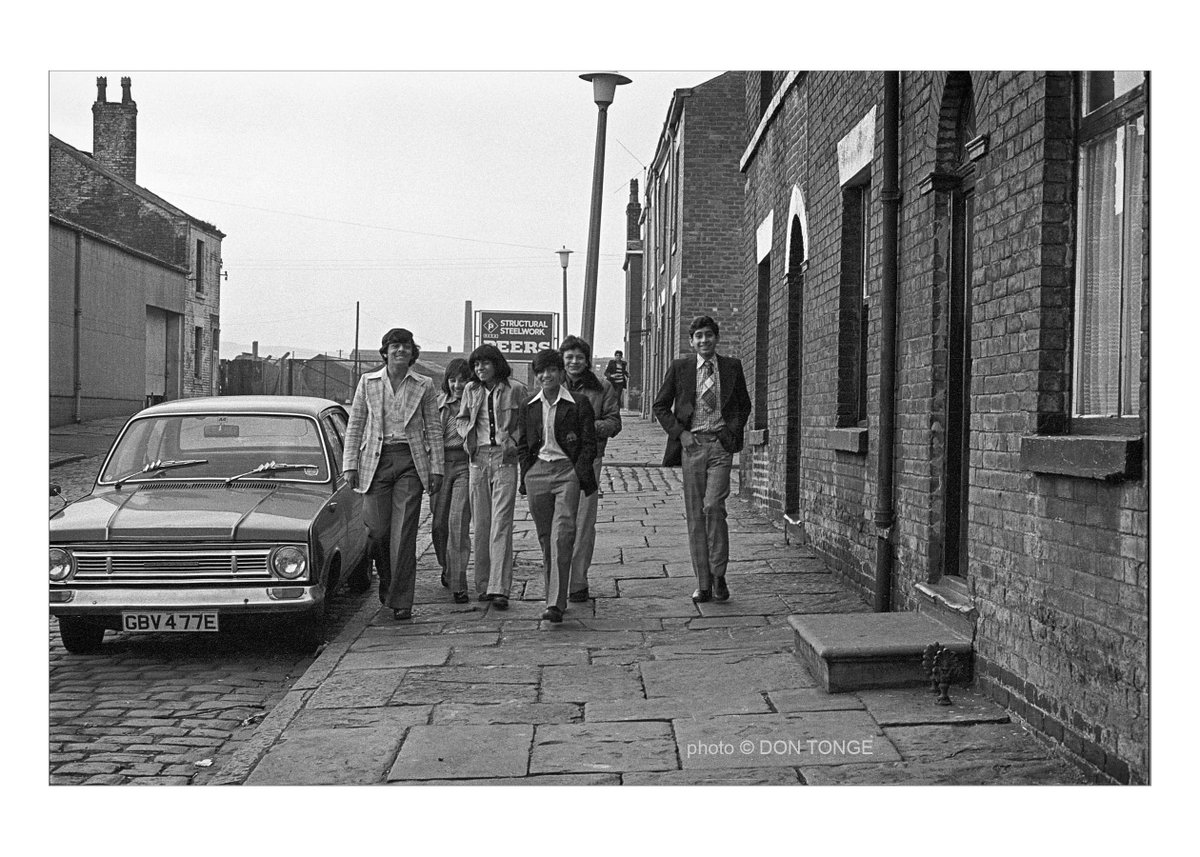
(55, 489)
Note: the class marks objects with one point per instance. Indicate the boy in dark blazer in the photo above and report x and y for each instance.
(703, 404)
(556, 451)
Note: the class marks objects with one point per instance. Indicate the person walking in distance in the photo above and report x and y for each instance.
(556, 449)
(489, 423)
(703, 405)
(393, 451)
(617, 374)
(582, 382)
(451, 527)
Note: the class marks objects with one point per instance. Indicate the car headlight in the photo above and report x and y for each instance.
(289, 562)
(62, 564)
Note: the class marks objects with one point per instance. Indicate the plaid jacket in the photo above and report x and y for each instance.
(422, 427)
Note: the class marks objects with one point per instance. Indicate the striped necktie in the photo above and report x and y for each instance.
(708, 387)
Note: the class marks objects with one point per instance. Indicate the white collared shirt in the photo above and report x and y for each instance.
(550, 450)
(393, 406)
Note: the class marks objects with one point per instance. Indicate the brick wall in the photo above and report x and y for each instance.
(1056, 565)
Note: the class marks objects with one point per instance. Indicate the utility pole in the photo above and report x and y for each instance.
(355, 347)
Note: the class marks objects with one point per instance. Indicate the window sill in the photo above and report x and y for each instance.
(757, 437)
(1084, 456)
(852, 440)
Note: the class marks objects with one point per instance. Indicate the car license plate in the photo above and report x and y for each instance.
(146, 621)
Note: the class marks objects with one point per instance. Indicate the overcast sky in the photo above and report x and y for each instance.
(411, 192)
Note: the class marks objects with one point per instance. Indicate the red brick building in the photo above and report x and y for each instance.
(945, 327)
(691, 222)
(135, 295)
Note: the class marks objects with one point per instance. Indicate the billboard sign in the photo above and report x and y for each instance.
(518, 335)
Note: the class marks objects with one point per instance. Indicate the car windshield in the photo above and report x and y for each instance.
(220, 445)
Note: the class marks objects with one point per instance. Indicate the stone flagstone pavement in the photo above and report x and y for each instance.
(639, 686)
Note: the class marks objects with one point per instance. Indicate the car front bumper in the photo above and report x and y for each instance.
(111, 602)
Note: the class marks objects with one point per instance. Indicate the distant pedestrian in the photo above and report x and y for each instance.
(582, 382)
(703, 404)
(393, 450)
(557, 449)
(489, 421)
(617, 374)
(452, 505)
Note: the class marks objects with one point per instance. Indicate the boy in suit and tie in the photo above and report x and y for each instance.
(556, 451)
(703, 404)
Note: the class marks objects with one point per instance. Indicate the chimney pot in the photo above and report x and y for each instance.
(125, 96)
(102, 89)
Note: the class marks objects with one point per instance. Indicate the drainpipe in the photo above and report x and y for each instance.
(885, 513)
(77, 330)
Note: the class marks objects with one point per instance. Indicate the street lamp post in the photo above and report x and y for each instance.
(564, 257)
(604, 87)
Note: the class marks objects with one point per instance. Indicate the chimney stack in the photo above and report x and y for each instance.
(114, 130)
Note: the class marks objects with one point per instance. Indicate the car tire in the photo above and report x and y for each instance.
(79, 636)
(308, 631)
(358, 580)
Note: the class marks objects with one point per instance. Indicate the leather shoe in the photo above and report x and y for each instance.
(500, 602)
(552, 614)
(720, 590)
(445, 579)
(400, 614)
(579, 596)
(485, 596)
(700, 596)
(461, 598)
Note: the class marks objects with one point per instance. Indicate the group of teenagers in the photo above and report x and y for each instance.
(485, 437)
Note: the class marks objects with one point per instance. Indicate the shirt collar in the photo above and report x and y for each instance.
(563, 393)
(700, 361)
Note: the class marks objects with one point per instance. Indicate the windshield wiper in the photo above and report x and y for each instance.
(269, 467)
(159, 466)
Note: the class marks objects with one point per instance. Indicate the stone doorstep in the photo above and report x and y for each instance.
(859, 651)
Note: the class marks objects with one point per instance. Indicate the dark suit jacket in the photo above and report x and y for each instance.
(675, 404)
(575, 430)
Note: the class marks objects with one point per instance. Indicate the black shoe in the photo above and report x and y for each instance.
(500, 602)
(700, 596)
(400, 614)
(579, 596)
(461, 598)
(485, 596)
(552, 614)
(445, 579)
(720, 590)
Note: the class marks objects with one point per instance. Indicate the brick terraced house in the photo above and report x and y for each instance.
(945, 325)
(691, 226)
(135, 298)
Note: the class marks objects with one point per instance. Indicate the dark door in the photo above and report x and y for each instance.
(958, 395)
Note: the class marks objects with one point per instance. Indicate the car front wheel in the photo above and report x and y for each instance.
(79, 636)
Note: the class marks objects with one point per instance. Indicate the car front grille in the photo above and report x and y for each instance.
(167, 565)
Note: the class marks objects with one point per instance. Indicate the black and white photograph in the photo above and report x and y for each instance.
(702, 428)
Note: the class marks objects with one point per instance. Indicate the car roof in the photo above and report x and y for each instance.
(304, 405)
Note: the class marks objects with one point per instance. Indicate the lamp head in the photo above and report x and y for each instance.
(604, 85)
(563, 254)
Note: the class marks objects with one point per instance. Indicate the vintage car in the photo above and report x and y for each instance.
(208, 510)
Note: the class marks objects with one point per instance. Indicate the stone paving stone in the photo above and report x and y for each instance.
(657, 587)
(992, 742)
(578, 639)
(673, 708)
(744, 603)
(590, 682)
(632, 608)
(719, 777)
(915, 705)
(523, 654)
(584, 623)
(357, 689)
(371, 639)
(946, 772)
(541, 780)
(783, 740)
(159, 781)
(725, 621)
(813, 699)
(104, 780)
(603, 747)
(509, 712)
(394, 658)
(341, 747)
(468, 686)
(825, 603)
(453, 751)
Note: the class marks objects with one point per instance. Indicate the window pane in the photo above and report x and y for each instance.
(1101, 87)
(1131, 316)
(1098, 282)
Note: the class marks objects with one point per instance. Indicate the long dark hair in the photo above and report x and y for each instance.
(492, 353)
(457, 368)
